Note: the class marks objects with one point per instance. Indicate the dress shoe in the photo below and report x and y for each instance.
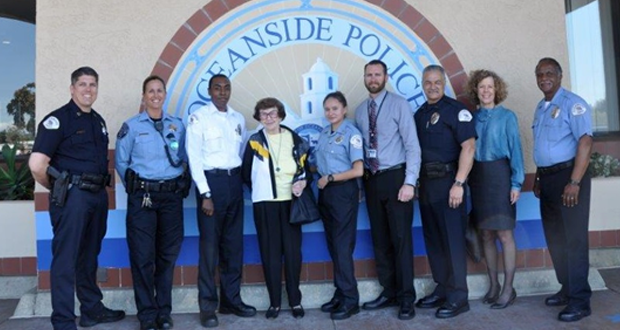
(380, 302)
(241, 310)
(148, 325)
(272, 312)
(490, 298)
(106, 315)
(344, 311)
(430, 301)
(558, 299)
(165, 322)
(406, 311)
(298, 312)
(330, 306)
(572, 314)
(449, 310)
(208, 319)
(512, 298)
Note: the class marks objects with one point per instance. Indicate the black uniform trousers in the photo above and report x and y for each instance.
(444, 237)
(390, 227)
(338, 204)
(277, 238)
(79, 227)
(221, 242)
(154, 237)
(566, 232)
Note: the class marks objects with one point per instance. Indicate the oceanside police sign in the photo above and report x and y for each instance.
(299, 51)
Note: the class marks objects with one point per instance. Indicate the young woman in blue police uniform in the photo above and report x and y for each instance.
(150, 159)
(340, 160)
(74, 139)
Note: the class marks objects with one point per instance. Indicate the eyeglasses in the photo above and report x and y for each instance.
(271, 114)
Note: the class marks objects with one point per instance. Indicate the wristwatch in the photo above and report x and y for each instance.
(574, 183)
(206, 195)
(459, 183)
(330, 178)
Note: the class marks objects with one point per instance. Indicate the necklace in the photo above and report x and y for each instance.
(276, 159)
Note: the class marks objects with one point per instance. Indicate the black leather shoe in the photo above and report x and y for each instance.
(491, 298)
(512, 298)
(272, 312)
(406, 311)
(430, 301)
(165, 322)
(380, 302)
(208, 319)
(449, 310)
(558, 299)
(344, 311)
(572, 314)
(241, 310)
(298, 312)
(148, 325)
(330, 306)
(106, 315)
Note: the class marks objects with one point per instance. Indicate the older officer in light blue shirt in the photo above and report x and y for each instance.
(562, 145)
(340, 158)
(150, 158)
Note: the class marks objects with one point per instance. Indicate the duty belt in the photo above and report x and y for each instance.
(436, 170)
(90, 182)
(556, 168)
(158, 186)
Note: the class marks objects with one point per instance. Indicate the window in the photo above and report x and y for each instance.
(309, 84)
(17, 51)
(594, 55)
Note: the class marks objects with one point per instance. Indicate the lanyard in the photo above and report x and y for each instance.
(380, 106)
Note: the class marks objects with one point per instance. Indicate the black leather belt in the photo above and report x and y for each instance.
(368, 173)
(158, 186)
(220, 171)
(556, 168)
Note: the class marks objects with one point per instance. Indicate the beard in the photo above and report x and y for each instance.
(374, 89)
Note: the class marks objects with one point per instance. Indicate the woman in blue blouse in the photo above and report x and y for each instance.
(496, 180)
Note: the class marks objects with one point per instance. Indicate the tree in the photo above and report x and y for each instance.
(22, 105)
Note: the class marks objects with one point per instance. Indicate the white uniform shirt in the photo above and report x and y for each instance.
(214, 141)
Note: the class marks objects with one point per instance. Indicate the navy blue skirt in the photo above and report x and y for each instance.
(490, 195)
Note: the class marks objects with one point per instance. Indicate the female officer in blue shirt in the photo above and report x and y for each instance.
(496, 179)
(150, 159)
(339, 157)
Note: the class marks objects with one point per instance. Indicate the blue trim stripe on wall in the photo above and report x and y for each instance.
(528, 235)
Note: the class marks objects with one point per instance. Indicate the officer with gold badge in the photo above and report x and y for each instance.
(150, 159)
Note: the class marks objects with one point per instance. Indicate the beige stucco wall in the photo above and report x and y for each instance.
(18, 235)
(123, 39)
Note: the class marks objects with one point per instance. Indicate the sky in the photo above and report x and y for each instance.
(17, 61)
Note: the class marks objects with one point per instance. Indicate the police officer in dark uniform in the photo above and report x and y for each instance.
(447, 138)
(72, 148)
(150, 159)
(340, 161)
(562, 145)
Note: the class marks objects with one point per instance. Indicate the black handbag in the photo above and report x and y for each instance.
(304, 209)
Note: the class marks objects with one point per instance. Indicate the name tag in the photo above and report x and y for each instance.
(371, 153)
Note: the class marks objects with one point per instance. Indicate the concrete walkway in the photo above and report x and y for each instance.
(528, 313)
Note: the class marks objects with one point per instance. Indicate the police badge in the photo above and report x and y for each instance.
(555, 112)
(238, 129)
(434, 118)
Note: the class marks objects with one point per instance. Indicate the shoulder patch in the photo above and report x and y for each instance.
(51, 123)
(465, 116)
(356, 141)
(578, 109)
(123, 131)
(193, 119)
